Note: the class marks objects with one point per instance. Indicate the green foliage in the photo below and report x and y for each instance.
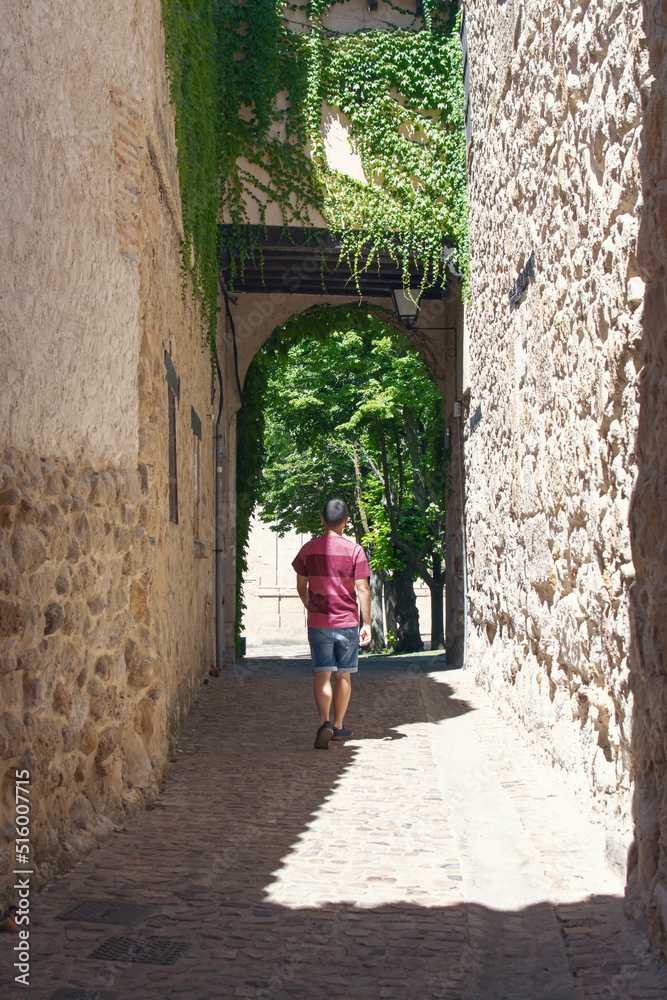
(249, 459)
(228, 61)
(191, 34)
(356, 415)
(248, 80)
(346, 407)
(401, 94)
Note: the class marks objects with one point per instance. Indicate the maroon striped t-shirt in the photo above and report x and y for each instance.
(332, 564)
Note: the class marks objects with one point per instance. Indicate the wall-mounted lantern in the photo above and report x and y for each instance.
(406, 305)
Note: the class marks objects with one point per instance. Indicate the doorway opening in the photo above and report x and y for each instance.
(339, 402)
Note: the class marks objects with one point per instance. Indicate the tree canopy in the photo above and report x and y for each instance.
(351, 410)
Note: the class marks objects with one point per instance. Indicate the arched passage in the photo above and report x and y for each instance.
(248, 318)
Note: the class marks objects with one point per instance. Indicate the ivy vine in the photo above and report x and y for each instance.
(401, 96)
(249, 78)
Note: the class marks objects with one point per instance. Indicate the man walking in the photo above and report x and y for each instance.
(331, 572)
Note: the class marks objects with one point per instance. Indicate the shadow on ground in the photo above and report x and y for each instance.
(246, 787)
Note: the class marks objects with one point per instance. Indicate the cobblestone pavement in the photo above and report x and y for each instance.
(429, 857)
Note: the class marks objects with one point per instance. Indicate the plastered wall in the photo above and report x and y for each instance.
(102, 648)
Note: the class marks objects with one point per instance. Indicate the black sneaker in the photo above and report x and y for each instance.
(341, 734)
(324, 734)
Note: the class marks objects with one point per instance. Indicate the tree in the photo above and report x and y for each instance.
(353, 412)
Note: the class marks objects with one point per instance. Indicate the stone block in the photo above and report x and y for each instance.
(27, 512)
(8, 664)
(88, 738)
(111, 485)
(96, 604)
(77, 619)
(53, 484)
(47, 740)
(63, 581)
(28, 549)
(123, 538)
(14, 734)
(107, 743)
(138, 600)
(81, 813)
(92, 488)
(10, 497)
(54, 617)
(635, 291)
(12, 619)
(95, 688)
(83, 534)
(100, 702)
(142, 471)
(28, 762)
(70, 738)
(32, 690)
(138, 772)
(104, 667)
(62, 699)
(9, 581)
(139, 666)
(73, 551)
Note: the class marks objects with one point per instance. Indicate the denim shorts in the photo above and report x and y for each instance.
(335, 649)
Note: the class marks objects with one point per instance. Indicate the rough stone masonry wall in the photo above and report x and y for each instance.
(105, 605)
(557, 91)
(80, 706)
(647, 881)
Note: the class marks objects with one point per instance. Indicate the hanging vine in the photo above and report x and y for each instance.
(399, 94)
(249, 80)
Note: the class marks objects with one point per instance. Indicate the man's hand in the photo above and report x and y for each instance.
(364, 595)
(302, 588)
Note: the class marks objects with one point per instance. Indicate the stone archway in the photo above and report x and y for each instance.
(248, 318)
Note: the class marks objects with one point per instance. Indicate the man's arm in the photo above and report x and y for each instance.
(364, 595)
(302, 587)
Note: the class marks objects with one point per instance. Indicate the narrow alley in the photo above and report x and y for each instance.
(258, 256)
(430, 856)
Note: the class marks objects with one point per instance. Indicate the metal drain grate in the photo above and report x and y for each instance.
(151, 950)
(106, 911)
(74, 993)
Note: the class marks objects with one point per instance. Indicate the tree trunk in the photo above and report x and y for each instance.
(437, 605)
(407, 617)
(378, 642)
(390, 610)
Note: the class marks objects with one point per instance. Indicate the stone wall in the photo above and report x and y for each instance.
(81, 696)
(106, 605)
(647, 883)
(557, 92)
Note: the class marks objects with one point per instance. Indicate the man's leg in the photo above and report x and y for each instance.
(323, 693)
(341, 698)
